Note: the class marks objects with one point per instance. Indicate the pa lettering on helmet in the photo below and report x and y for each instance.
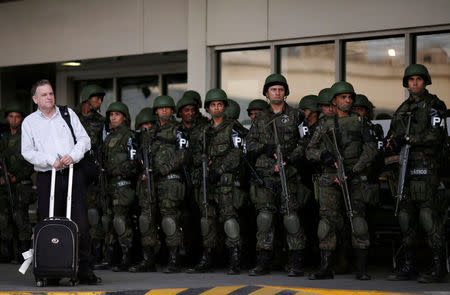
(182, 142)
(131, 149)
(238, 141)
(303, 130)
(436, 119)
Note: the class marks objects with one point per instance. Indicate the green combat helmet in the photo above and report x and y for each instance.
(362, 101)
(324, 97)
(214, 95)
(14, 107)
(276, 79)
(185, 101)
(92, 90)
(257, 104)
(233, 110)
(193, 95)
(119, 106)
(342, 87)
(144, 116)
(309, 102)
(163, 101)
(419, 70)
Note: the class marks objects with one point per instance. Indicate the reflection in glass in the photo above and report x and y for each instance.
(242, 76)
(107, 84)
(176, 85)
(138, 93)
(375, 69)
(433, 51)
(308, 69)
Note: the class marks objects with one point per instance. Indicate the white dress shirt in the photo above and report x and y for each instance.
(46, 139)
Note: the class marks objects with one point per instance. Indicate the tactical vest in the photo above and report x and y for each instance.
(118, 148)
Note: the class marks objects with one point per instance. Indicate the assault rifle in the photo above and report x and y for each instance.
(254, 174)
(204, 159)
(281, 168)
(102, 178)
(147, 173)
(8, 185)
(343, 181)
(403, 161)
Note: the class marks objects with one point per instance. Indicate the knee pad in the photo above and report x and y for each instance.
(119, 225)
(360, 226)
(231, 227)
(144, 224)
(264, 221)
(106, 223)
(291, 223)
(169, 226)
(93, 216)
(323, 229)
(426, 219)
(403, 220)
(204, 227)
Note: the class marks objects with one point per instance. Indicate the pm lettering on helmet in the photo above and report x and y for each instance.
(183, 143)
(237, 140)
(303, 130)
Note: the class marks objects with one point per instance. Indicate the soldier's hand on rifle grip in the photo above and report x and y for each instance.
(269, 149)
(276, 168)
(328, 159)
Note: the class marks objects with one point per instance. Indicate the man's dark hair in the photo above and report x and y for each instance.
(39, 83)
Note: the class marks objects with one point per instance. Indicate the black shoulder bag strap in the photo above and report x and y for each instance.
(66, 116)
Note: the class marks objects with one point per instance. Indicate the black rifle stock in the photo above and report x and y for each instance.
(403, 161)
(147, 172)
(281, 168)
(204, 159)
(254, 174)
(102, 179)
(8, 185)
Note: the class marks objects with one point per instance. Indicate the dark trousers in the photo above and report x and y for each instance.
(79, 207)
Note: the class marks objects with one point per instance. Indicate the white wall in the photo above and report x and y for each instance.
(41, 31)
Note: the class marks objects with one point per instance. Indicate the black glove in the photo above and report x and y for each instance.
(156, 172)
(213, 176)
(398, 141)
(327, 158)
(350, 174)
(269, 149)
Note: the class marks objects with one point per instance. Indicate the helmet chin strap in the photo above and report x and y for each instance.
(416, 93)
(91, 107)
(278, 101)
(218, 115)
(342, 108)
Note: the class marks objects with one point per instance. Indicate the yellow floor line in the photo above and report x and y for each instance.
(165, 291)
(267, 290)
(222, 290)
(342, 292)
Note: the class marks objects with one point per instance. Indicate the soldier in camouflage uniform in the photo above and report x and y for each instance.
(168, 153)
(357, 146)
(120, 167)
(94, 124)
(420, 204)
(148, 227)
(256, 106)
(19, 172)
(223, 155)
(267, 199)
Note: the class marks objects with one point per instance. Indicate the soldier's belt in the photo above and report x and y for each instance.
(173, 176)
(123, 183)
(237, 183)
(418, 171)
(26, 182)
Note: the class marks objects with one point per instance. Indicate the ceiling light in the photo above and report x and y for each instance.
(391, 52)
(72, 64)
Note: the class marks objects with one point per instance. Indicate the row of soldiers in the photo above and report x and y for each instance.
(329, 141)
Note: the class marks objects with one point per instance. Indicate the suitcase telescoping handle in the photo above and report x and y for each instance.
(69, 193)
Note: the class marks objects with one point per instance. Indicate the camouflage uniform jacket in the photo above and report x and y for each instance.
(117, 149)
(261, 133)
(93, 124)
(355, 141)
(17, 166)
(167, 156)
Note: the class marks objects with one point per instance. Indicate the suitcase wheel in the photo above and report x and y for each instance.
(41, 283)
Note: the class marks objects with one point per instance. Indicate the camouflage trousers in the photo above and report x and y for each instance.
(23, 195)
(221, 207)
(95, 206)
(147, 220)
(269, 202)
(170, 197)
(122, 196)
(423, 207)
(334, 223)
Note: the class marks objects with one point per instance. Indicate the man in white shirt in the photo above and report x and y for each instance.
(48, 141)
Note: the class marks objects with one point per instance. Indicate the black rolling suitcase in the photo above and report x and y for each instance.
(55, 242)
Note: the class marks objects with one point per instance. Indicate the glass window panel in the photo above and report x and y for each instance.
(433, 51)
(308, 69)
(107, 84)
(375, 69)
(176, 85)
(242, 76)
(138, 93)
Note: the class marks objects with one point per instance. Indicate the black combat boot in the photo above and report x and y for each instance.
(295, 268)
(262, 263)
(438, 270)
(361, 264)
(126, 260)
(173, 265)
(234, 268)
(205, 263)
(97, 251)
(407, 270)
(86, 276)
(325, 272)
(148, 261)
